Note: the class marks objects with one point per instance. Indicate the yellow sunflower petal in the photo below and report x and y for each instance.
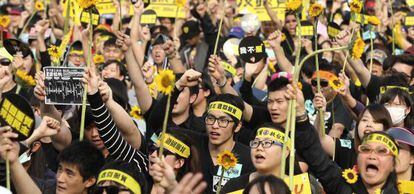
(165, 81)
(97, 59)
(4, 21)
(293, 5)
(350, 176)
(358, 48)
(336, 84)
(373, 20)
(226, 159)
(315, 10)
(39, 6)
(355, 6)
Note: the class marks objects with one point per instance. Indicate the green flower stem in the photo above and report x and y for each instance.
(347, 54)
(85, 91)
(321, 112)
(164, 125)
(218, 32)
(221, 180)
(392, 29)
(67, 17)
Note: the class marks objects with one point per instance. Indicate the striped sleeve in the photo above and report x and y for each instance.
(112, 138)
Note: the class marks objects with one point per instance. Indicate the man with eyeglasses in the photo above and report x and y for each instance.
(222, 123)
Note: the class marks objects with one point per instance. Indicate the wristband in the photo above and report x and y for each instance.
(222, 85)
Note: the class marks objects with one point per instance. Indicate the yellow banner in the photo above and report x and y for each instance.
(257, 7)
(105, 6)
(166, 8)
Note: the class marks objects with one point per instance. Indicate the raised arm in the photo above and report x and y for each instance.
(141, 89)
(139, 35)
(9, 150)
(275, 40)
(273, 16)
(117, 146)
(122, 119)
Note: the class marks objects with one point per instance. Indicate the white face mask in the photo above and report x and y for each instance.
(397, 114)
(25, 157)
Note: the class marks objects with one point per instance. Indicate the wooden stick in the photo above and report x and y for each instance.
(7, 173)
(218, 32)
(164, 125)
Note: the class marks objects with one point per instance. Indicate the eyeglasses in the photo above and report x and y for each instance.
(323, 83)
(380, 150)
(5, 62)
(154, 148)
(108, 189)
(222, 122)
(265, 143)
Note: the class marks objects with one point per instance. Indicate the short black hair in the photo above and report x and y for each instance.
(85, 156)
(404, 58)
(111, 42)
(276, 185)
(277, 84)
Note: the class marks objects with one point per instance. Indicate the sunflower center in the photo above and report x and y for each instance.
(165, 81)
(350, 175)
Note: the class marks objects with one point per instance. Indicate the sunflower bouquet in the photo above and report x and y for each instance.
(23, 80)
(226, 160)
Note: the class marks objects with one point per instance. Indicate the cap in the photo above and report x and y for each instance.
(402, 135)
(236, 32)
(377, 55)
(190, 29)
(5, 54)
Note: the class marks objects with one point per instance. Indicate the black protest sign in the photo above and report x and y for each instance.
(251, 49)
(86, 14)
(64, 85)
(14, 47)
(306, 29)
(148, 17)
(17, 113)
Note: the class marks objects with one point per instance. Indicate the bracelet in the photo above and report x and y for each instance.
(224, 83)
(302, 117)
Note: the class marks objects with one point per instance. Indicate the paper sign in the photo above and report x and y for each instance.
(148, 17)
(405, 187)
(252, 49)
(368, 35)
(63, 85)
(167, 8)
(257, 7)
(359, 18)
(306, 29)
(409, 19)
(106, 6)
(301, 184)
(410, 3)
(85, 17)
(17, 113)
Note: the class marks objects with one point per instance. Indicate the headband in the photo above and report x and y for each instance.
(324, 74)
(383, 89)
(174, 145)
(225, 107)
(121, 178)
(229, 68)
(79, 52)
(274, 134)
(380, 138)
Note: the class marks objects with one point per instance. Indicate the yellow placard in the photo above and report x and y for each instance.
(149, 19)
(106, 6)
(301, 184)
(166, 8)
(85, 18)
(410, 2)
(406, 187)
(257, 7)
(356, 17)
(409, 21)
(305, 31)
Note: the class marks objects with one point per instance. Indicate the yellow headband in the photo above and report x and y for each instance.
(273, 134)
(121, 178)
(379, 138)
(229, 68)
(225, 107)
(324, 74)
(76, 52)
(174, 145)
(383, 89)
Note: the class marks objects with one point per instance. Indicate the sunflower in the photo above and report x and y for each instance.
(350, 176)
(335, 83)
(39, 6)
(54, 53)
(180, 3)
(293, 5)
(315, 10)
(356, 6)
(226, 159)
(136, 112)
(98, 59)
(373, 20)
(24, 78)
(4, 21)
(84, 4)
(165, 81)
(283, 37)
(358, 48)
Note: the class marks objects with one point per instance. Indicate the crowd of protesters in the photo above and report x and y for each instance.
(354, 127)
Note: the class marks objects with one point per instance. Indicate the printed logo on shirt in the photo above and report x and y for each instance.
(229, 174)
(346, 143)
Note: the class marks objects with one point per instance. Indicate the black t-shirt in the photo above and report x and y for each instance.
(345, 155)
(236, 184)
(373, 88)
(211, 172)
